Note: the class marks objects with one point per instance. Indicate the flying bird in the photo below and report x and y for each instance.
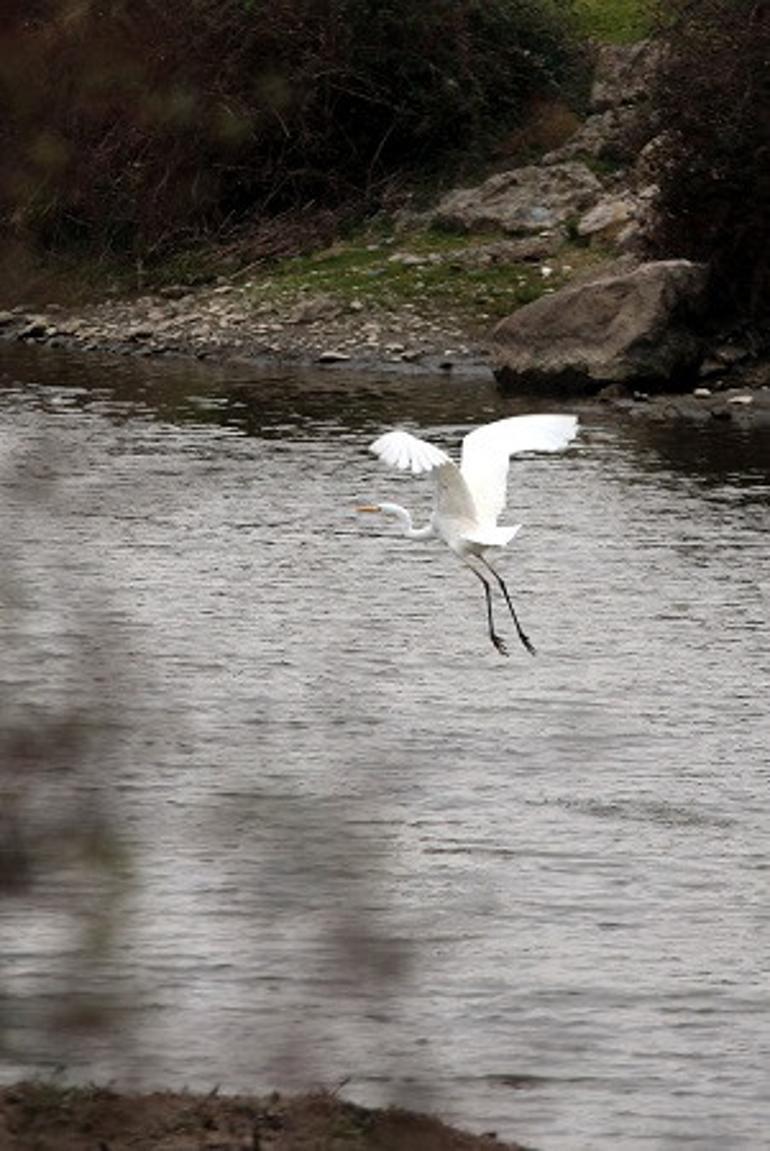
(469, 499)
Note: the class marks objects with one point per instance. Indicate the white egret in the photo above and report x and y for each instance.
(469, 499)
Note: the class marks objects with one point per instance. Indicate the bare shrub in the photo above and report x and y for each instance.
(130, 126)
(712, 161)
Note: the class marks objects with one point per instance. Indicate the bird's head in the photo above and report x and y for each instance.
(394, 510)
(403, 516)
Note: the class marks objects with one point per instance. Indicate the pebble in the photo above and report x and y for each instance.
(702, 393)
(34, 329)
(407, 259)
(331, 356)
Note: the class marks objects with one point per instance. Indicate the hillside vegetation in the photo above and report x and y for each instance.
(132, 128)
(159, 136)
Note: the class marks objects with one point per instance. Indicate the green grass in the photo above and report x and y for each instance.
(369, 273)
(614, 21)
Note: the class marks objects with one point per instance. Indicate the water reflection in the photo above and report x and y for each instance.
(709, 453)
(530, 893)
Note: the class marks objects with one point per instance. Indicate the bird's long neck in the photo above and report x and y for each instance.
(404, 517)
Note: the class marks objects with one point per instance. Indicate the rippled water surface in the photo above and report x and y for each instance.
(531, 894)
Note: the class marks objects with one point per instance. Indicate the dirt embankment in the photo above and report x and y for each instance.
(46, 1117)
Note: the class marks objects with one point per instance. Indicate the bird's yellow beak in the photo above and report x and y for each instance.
(368, 508)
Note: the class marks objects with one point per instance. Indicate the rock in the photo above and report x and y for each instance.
(630, 327)
(613, 392)
(619, 126)
(609, 217)
(710, 367)
(702, 393)
(323, 307)
(525, 250)
(524, 200)
(34, 329)
(648, 161)
(610, 135)
(623, 73)
(408, 259)
(174, 291)
(7, 318)
(332, 356)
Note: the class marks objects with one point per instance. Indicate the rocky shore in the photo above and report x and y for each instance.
(220, 325)
(223, 322)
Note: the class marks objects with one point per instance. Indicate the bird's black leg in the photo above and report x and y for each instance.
(496, 640)
(501, 582)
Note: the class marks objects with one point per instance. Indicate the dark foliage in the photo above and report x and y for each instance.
(713, 104)
(128, 125)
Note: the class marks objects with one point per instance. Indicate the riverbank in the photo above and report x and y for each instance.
(422, 291)
(44, 1116)
(420, 298)
(344, 326)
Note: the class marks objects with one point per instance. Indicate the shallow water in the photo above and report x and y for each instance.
(531, 894)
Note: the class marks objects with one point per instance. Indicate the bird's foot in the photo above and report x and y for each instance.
(527, 643)
(499, 643)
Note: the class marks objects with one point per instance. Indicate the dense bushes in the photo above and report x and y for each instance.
(713, 163)
(128, 125)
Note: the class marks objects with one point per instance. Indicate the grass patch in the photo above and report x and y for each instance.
(432, 272)
(614, 21)
(50, 1098)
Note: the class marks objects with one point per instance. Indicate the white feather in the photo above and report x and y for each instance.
(487, 451)
(491, 537)
(402, 450)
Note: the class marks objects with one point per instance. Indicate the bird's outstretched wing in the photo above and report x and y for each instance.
(405, 451)
(402, 450)
(487, 450)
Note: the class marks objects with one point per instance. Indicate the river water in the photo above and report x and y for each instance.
(354, 843)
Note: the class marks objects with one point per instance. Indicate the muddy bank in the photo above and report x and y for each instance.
(44, 1116)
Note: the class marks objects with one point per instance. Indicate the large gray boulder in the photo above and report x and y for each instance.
(633, 327)
(522, 201)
